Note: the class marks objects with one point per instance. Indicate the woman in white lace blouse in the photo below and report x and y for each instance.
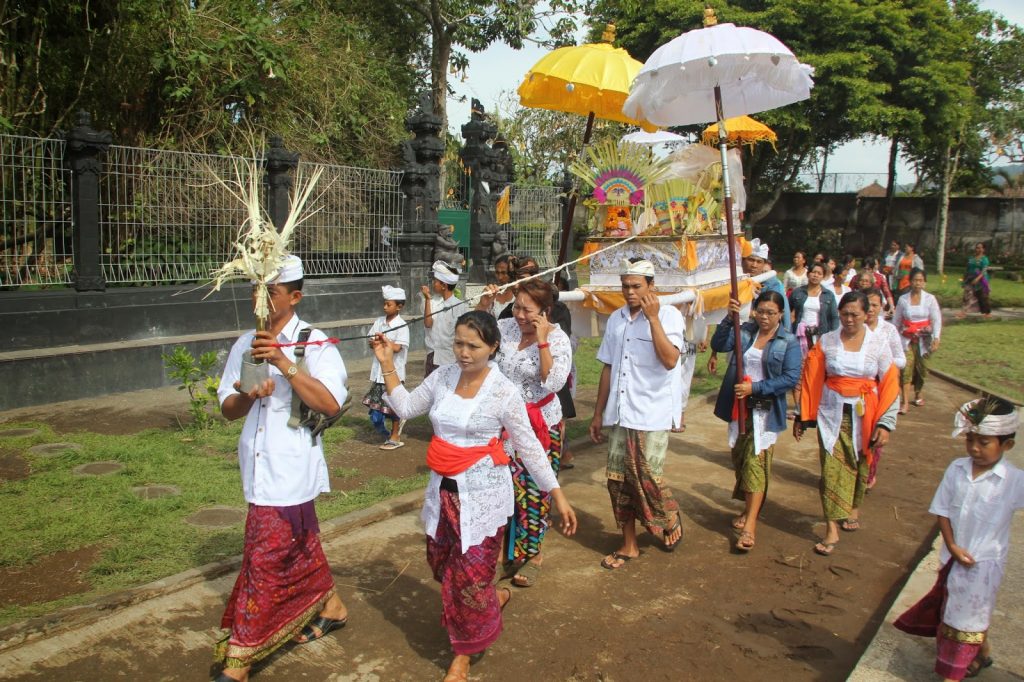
(469, 496)
(537, 356)
(849, 389)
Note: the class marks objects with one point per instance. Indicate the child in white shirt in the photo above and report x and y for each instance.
(396, 331)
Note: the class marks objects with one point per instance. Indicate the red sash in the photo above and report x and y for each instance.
(540, 427)
(875, 403)
(912, 330)
(449, 460)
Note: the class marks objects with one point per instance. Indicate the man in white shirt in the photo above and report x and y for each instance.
(440, 312)
(284, 578)
(640, 351)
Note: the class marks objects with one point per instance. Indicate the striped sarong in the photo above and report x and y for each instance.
(529, 521)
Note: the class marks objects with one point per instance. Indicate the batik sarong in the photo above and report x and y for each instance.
(636, 461)
(844, 477)
(916, 368)
(374, 399)
(954, 651)
(469, 601)
(283, 583)
(753, 469)
(529, 522)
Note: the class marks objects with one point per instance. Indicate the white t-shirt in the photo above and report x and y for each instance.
(812, 310)
(399, 336)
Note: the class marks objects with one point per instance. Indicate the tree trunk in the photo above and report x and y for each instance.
(824, 168)
(890, 191)
(948, 173)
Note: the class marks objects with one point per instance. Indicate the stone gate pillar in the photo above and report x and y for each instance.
(82, 158)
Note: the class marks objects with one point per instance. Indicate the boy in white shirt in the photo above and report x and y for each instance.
(440, 312)
(636, 396)
(975, 504)
(396, 331)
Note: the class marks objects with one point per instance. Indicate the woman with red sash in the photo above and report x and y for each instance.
(850, 391)
(536, 356)
(918, 319)
(469, 496)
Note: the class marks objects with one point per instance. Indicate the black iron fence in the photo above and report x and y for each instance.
(81, 211)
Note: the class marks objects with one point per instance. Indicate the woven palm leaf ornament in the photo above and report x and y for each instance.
(259, 247)
(618, 173)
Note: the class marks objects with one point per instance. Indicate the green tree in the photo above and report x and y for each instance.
(473, 25)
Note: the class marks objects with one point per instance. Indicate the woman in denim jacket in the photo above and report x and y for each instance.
(771, 362)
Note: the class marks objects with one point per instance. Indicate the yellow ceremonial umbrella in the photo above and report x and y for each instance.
(740, 130)
(591, 80)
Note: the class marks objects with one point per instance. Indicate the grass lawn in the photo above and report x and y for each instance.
(983, 352)
(54, 510)
(1005, 293)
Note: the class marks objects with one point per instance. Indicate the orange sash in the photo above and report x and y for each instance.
(449, 460)
(876, 402)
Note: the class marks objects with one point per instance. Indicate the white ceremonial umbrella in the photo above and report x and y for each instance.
(711, 74)
(657, 137)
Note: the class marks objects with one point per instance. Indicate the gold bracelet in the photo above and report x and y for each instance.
(387, 374)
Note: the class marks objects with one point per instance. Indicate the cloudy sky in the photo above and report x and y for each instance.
(501, 69)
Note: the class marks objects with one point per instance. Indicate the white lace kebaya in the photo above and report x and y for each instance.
(522, 367)
(485, 488)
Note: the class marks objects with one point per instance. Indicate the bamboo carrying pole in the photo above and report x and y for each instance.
(733, 285)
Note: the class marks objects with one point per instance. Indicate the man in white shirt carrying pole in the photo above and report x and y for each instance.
(284, 589)
(635, 396)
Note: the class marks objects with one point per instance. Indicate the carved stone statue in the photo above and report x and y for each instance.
(446, 248)
(500, 245)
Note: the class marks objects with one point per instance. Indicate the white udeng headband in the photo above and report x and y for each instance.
(992, 425)
(644, 268)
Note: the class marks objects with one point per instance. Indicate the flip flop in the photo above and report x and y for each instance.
(666, 547)
(391, 444)
(745, 542)
(615, 556)
(739, 523)
(918, 402)
(527, 575)
(849, 525)
(825, 548)
(324, 625)
(563, 466)
(982, 663)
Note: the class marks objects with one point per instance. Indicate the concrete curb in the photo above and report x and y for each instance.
(968, 386)
(16, 634)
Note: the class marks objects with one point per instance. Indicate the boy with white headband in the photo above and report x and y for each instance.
(440, 313)
(636, 396)
(396, 331)
(975, 504)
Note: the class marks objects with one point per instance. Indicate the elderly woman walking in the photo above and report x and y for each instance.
(771, 360)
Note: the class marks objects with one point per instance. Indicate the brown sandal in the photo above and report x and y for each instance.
(745, 543)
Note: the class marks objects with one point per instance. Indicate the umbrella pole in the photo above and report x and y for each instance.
(563, 246)
(733, 285)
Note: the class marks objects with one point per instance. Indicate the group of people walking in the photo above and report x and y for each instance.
(497, 388)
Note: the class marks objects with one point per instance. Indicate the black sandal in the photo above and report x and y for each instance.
(324, 625)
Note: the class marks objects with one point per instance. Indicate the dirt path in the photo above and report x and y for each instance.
(703, 612)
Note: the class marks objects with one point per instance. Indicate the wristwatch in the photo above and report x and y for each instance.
(292, 371)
